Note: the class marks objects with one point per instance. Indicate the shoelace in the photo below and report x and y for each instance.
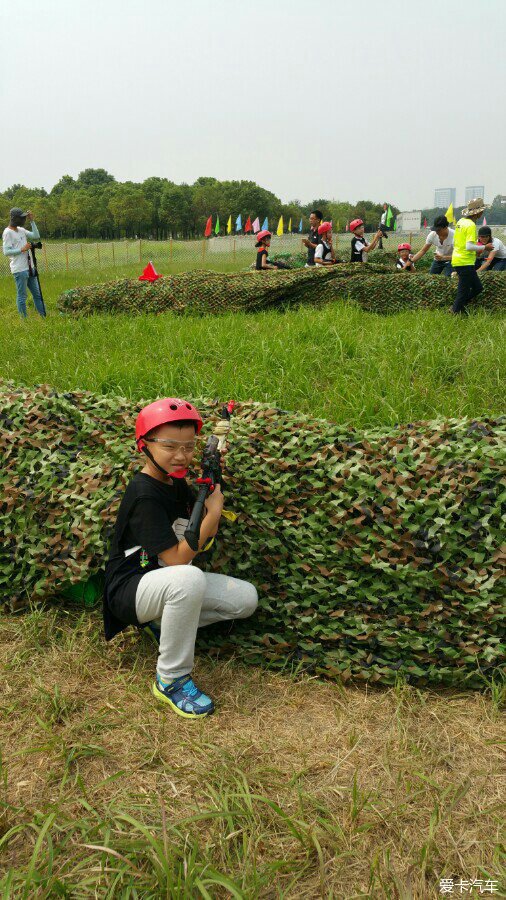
(190, 688)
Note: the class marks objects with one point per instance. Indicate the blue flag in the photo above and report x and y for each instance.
(300, 226)
(265, 226)
(238, 223)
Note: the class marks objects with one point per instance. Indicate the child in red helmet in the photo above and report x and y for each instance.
(359, 246)
(405, 261)
(263, 242)
(325, 254)
(149, 579)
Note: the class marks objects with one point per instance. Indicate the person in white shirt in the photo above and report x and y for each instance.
(324, 254)
(441, 238)
(16, 245)
(496, 259)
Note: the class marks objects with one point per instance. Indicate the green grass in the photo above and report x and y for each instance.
(103, 793)
(337, 361)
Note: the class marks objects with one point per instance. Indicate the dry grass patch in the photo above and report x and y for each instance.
(295, 788)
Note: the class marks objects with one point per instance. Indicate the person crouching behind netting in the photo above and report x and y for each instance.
(405, 260)
(263, 242)
(465, 250)
(149, 579)
(325, 254)
(16, 245)
(496, 259)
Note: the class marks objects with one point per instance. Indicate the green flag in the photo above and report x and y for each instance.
(395, 224)
(217, 226)
(389, 217)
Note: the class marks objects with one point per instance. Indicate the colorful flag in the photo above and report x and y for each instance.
(450, 215)
(209, 225)
(395, 224)
(338, 226)
(229, 225)
(265, 226)
(217, 226)
(300, 226)
(347, 227)
(425, 222)
(389, 217)
(484, 220)
(290, 225)
(238, 223)
(256, 225)
(247, 226)
(279, 229)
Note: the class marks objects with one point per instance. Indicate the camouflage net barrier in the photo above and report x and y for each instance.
(374, 286)
(376, 554)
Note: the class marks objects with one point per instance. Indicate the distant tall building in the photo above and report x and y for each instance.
(474, 191)
(444, 196)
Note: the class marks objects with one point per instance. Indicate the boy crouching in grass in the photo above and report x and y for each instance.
(149, 579)
(405, 260)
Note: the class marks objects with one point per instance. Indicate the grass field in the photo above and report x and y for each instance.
(294, 788)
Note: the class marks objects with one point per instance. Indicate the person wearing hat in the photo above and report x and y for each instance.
(263, 242)
(359, 245)
(405, 261)
(465, 250)
(325, 254)
(441, 238)
(16, 245)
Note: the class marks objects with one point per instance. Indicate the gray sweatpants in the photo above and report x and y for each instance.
(185, 598)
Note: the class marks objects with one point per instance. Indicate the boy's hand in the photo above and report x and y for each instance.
(25, 248)
(29, 213)
(214, 502)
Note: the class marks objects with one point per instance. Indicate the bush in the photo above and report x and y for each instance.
(376, 554)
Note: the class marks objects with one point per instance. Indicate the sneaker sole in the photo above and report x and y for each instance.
(163, 699)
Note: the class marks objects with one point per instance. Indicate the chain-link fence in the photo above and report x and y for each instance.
(230, 253)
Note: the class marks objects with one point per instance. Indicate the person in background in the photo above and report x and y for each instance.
(359, 246)
(383, 224)
(16, 245)
(465, 250)
(263, 262)
(441, 238)
(313, 238)
(325, 254)
(496, 259)
(405, 261)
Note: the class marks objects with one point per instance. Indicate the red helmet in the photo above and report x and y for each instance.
(263, 234)
(356, 224)
(404, 247)
(161, 412)
(324, 227)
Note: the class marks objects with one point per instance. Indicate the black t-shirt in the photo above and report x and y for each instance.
(152, 518)
(315, 238)
(260, 254)
(358, 246)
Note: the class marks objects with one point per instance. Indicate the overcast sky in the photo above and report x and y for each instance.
(347, 100)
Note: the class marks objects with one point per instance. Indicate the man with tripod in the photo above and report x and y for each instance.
(16, 245)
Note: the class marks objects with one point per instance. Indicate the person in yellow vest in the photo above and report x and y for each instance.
(465, 249)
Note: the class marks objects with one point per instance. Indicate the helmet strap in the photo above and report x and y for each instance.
(153, 460)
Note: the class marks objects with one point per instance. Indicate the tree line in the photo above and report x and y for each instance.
(95, 205)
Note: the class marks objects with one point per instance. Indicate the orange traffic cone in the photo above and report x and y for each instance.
(149, 273)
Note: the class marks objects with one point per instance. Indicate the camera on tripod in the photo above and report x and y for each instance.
(36, 245)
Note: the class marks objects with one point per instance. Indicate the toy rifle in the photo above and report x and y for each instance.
(32, 268)
(211, 474)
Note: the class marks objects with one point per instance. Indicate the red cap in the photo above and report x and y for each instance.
(404, 247)
(356, 224)
(263, 234)
(324, 227)
(162, 412)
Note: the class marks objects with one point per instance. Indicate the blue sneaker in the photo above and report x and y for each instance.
(184, 697)
(152, 630)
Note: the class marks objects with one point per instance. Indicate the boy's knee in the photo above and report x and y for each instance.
(249, 601)
(190, 582)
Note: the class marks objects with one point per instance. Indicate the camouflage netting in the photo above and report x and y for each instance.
(373, 286)
(374, 553)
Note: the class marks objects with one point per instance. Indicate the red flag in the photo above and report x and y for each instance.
(425, 223)
(347, 227)
(149, 273)
(247, 226)
(209, 225)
